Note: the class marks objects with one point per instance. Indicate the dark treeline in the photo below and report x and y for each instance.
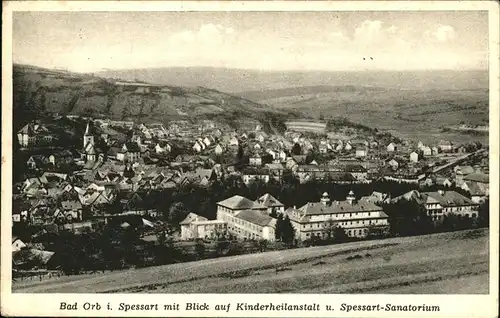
(203, 200)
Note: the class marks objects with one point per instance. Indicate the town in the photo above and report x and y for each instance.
(94, 194)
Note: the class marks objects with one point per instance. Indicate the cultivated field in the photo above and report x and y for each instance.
(440, 263)
(315, 127)
(413, 114)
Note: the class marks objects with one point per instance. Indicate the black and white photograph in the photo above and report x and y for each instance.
(250, 152)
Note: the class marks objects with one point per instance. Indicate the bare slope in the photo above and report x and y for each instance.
(38, 90)
(242, 80)
(426, 264)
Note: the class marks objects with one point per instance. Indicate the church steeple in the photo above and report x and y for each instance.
(88, 144)
(87, 130)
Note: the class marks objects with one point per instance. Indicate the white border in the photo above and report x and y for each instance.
(47, 304)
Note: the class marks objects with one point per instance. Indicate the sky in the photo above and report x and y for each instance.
(343, 41)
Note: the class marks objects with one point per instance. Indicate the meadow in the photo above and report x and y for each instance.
(454, 263)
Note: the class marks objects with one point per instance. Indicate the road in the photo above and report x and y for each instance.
(457, 161)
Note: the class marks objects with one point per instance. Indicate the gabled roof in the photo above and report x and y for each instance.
(477, 177)
(71, 205)
(238, 202)
(268, 200)
(449, 198)
(255, 217)
(192, 217)
(318, 208)
(27, 129)
(275, 166)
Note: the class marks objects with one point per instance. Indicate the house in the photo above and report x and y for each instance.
(357, 171)
(130, 151)
(272, 153)
(252, 224)
(426, 151)
(393, 164)
(348, 146)
(323, 148)
(234, 142)
(282, 156)
(26, 135)
(202, 176)
(36, 161)
(198, 146)
(391, 147)
(163, 147)
(478, 186)
(246, 219)
(207, 141)
(462, 149)
(17, 244)
(355, 216)
(254, 175)
(445, 146)
(435, 151)
(255, 160)
(70, 211)
(361, 152)
(275, 170)
(233, 205)
(414, 157)
(440, 203)
(271, 203)
(218, 149)
(195, 226)
(261, 136)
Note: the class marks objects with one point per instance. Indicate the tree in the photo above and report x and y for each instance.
(408, 218)
(484, 214)
(333, 231)
(278, 232)
(177, 213)
(287, 231)
(200, 249)
(296, 149)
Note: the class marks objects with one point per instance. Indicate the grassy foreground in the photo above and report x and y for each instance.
(440, 263)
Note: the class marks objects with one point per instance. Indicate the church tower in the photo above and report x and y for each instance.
(88, 145)
(88, 138)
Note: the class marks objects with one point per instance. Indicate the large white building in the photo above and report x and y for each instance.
(355, 216)
(440, 203)
(195, 226)
(271, 203)
(246, 219)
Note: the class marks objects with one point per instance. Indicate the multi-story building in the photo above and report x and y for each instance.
(195, 226)
(271, 203)
(355, 216)
(440, 203)
(246, 219)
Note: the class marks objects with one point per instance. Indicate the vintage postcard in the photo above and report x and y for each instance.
(250, 159)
